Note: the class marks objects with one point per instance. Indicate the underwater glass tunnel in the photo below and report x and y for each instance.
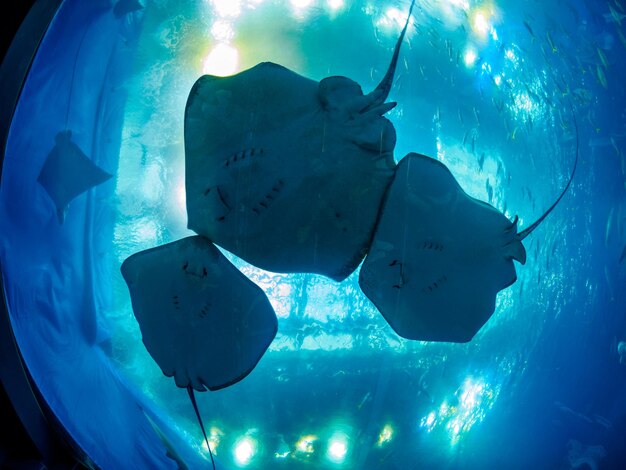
(507, 95)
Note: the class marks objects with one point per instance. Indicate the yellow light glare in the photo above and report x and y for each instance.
(305, 444)
(222, 61)
(480, 25)
(245, 448)
(469, 57)
(385, 435)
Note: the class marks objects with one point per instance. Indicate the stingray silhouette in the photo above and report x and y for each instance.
(67, 173)
(294, 175)
(288, 173)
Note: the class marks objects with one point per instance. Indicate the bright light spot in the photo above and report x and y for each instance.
(497, 79)
(305, 444)
(245, 448)
(441, 153)
(474, 399)
(523, 103)
(486, 67)
(335, 4)
(480, 24)
(338, 448)
(509, 54)
(393, 18)
(227, 8)
(337, 451)
(301, 3)
(222, 31)
(493, 33)
(181, 196)
(385, 435)
(469, 57)
(222, 61)
(429, 421)
(282, 455)
(146, 231)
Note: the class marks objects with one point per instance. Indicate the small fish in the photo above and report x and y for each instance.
(489, 191)
(473, 145)
(460, 116)
(481, 161)
(623, 255)
(609, 224)
(465, 138)
(617, 17)
(551, 43)
(364, 400)
(601, 76)
(614, 144)
(530, 30)
(603, 58)
(476, 116)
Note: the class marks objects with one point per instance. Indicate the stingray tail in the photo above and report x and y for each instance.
(382, 90)
(192, 397)
(524, 233)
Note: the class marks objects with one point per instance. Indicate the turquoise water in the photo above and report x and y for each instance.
(484, 87)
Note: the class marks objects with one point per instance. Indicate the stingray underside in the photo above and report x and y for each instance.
(439, 257)
(202, 320)
(285, 172)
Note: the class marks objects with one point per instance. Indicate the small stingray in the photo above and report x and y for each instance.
(124, 7)
(202, 320)
(288, 173)
(439, 257)
(68, 172)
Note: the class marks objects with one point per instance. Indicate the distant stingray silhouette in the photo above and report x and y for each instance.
(68, 172)
(293, 175)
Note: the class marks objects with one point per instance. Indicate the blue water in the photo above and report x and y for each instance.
(540, 385)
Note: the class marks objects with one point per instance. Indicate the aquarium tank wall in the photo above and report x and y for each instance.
(508, 96)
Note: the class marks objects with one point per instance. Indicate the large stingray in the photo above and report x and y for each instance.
(202, 320)
(288, 173)
(439, 257)
(68, 172)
